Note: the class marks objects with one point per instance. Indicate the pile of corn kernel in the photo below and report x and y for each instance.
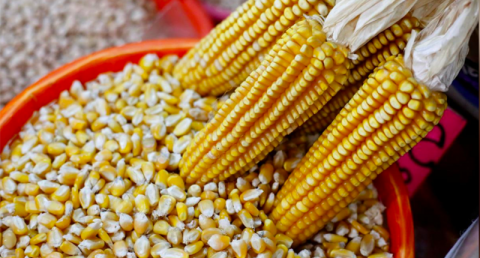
(357, 231)
(95, 174)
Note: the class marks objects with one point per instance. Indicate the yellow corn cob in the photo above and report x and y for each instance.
(389, 114)
(242, 74)
(322, 119)
(299, 75)
(224, 53)
(390, 42)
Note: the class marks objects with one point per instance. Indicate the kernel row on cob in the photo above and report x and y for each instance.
(322, 119)
(93, 175)
(218, 63)
(390, 42)
(242, 74)
(267, 107)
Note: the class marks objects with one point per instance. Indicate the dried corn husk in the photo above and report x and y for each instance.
(353, 23)
(437, 53)
(426, 10)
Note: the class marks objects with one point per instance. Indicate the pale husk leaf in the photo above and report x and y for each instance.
(353, 23)
(426, 10)
(437, 53)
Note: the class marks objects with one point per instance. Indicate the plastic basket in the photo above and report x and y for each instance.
(392, 190)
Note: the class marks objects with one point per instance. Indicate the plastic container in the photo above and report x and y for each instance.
(170, 21)
(392, 190)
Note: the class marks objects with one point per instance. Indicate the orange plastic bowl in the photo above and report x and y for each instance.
(392, 190)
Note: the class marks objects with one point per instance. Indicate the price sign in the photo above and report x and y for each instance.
(419, 162)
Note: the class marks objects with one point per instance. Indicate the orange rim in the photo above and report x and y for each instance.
(392, 190)
(394, 195)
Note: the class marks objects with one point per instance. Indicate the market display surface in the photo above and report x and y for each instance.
(149, 161)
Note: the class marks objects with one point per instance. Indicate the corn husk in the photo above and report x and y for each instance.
(426, 10)
(353, 23)
(437, 53)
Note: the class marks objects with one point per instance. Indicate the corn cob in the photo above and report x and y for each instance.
(221, 56)
(300, 74)
(390, 42)
(222, 36)
(389, 114)
(322, 119)
(242, 74)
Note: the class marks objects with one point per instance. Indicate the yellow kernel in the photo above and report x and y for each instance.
(194, 247)
(183, 127)
(161, 227)
(219, 242)
(175, 179)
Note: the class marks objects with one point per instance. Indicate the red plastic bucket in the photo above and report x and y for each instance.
(392, 190)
